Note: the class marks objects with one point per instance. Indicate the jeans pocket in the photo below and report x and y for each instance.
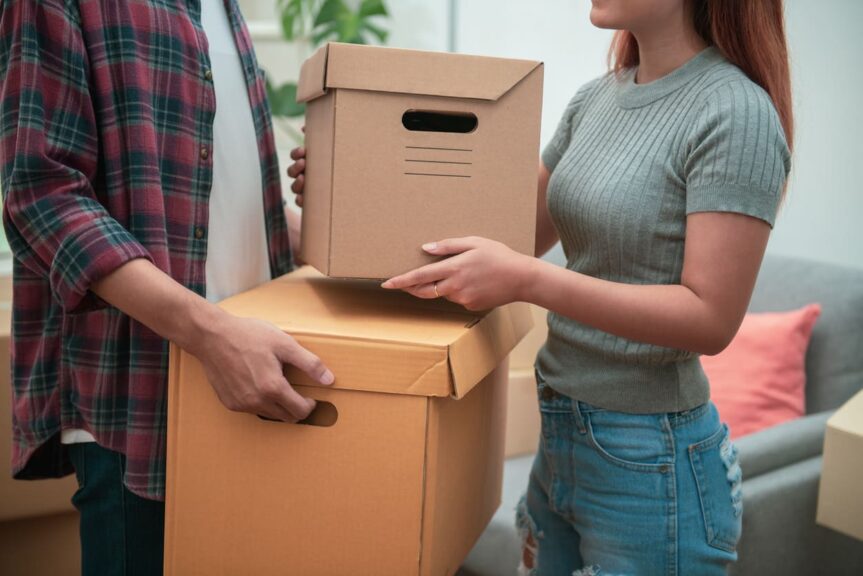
(639, 442)
(718, 476)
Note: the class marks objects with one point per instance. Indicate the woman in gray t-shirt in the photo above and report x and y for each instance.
(662, 182)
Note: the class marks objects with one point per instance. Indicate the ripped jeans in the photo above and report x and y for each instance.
(612, 493)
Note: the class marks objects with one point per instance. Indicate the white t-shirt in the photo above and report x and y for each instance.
(237, 256)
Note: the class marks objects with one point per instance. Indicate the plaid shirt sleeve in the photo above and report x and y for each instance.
(49, 147)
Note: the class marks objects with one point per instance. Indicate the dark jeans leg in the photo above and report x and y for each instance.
(122, 534)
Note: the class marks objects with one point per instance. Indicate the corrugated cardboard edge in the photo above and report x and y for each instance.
(332, 183)
(472, 357)
(313, 76)
(174, 356)
(396, 70)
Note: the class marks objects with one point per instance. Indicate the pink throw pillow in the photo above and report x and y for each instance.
(760, 379)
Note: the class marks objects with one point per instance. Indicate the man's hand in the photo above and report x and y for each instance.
(244, 361)
(297, 171)
(243, 358)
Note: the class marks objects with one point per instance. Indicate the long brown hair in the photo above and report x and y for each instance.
(748, 33)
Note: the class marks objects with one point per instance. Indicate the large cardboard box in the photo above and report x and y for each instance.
(402, 482)
(523, 422)
(840, 497)
(406, 147)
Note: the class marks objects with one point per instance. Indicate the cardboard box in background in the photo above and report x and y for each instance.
(38, 525)
(405, 479)
(522, 408)
(840, 495)
(406, 147)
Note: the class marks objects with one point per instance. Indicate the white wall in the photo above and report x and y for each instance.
(821, 217)
(825, 197)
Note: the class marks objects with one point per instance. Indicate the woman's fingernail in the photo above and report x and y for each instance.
(328, 378)
(430, 247)
(387, 284)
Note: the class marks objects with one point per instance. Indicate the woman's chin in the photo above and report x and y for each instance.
(601, 20)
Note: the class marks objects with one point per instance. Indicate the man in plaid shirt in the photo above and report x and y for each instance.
(118, 206)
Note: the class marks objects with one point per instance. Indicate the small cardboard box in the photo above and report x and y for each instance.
(402, 482)
(406, 147)
(840, 496)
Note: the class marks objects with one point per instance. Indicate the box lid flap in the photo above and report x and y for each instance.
(313, 76)
(379, 340)
(410, 72)
(477, 352)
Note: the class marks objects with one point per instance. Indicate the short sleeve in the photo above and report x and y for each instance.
(737, 156)
(554, 150)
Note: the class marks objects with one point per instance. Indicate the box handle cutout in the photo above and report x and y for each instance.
(324, 415)
(428, 121)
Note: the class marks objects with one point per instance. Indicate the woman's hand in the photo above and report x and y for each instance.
(297, 171)
(479, 274)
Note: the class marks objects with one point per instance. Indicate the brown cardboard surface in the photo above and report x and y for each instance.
(840, 496)
(402, 71)
(402, 483)
(19, 498)
(523, 356)
(464, 478)
(522, 413)
(385, 341)
(376, 191)
(43, 546)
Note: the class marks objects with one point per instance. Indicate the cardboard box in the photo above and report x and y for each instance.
(41, 546)
(403, 482)
(522, 409)
(522, 414)
(523, 356)
(840, 495)
(406, 147)
(22, 498)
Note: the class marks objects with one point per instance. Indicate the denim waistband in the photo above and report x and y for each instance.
(550, 400)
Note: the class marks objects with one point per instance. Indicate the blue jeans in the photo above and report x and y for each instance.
(612, 493)
(121, 533)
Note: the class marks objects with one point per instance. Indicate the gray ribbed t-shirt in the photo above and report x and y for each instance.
(628, 162)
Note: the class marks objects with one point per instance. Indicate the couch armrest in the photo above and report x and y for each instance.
(783, 444)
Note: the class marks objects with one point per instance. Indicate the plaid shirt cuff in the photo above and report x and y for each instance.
(86, 256)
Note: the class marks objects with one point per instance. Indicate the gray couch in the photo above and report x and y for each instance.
(781, 465)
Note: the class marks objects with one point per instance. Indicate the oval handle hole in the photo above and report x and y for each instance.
(324, 415)
(427, 121)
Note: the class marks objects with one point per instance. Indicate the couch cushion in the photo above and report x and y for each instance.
(834, 361)
(759, 380)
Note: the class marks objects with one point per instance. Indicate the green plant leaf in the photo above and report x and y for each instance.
(283, 100)
(331, 11)
(325, 32)
(376, 31)
(288, 25)
(373, 8)
(349, 28)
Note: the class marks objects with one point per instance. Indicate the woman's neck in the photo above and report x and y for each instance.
(664, 50)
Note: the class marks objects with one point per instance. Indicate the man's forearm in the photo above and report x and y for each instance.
(153, 298)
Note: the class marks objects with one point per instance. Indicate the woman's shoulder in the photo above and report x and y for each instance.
(726, 89)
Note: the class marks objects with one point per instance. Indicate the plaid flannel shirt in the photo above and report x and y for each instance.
(106, 127)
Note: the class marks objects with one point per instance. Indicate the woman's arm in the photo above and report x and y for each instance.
(702, 314)
(722, 256)
(546, 233)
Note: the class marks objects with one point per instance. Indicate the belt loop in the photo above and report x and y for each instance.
(579, 417)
